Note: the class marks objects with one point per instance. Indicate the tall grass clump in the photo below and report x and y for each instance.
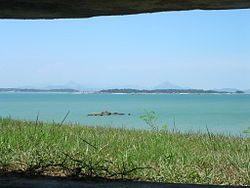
(40, 148)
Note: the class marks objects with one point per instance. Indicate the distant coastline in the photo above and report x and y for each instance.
(122, 91)
(161, 91)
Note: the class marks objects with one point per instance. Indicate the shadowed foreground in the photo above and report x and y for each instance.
(18, 181)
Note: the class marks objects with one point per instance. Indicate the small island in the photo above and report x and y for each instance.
(166, 91)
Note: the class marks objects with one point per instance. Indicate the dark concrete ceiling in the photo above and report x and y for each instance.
(49, 9)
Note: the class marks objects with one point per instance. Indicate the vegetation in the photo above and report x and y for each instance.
(247, 131)
(70, 150)
(151, 119)
(239, 92)
(168, 91)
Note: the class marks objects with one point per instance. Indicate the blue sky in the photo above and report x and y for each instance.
(197, 49)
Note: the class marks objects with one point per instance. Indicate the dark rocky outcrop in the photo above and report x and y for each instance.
(106, 113)
(49, 9)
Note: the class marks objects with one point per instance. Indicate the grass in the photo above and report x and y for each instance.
(39, 148)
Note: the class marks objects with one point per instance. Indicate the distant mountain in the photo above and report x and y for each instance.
(228, 89)
(37, 90)
(168, 85)
(234, 90)
(247, 91)
(71, 85)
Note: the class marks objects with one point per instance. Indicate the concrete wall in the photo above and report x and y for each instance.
(49, 9)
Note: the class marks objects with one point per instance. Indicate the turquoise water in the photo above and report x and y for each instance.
(229, 114)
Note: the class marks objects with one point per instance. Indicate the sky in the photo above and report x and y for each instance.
(194, 49)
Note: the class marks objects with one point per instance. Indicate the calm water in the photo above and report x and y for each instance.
(220, 113)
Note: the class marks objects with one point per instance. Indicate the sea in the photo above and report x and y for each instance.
(227, 114)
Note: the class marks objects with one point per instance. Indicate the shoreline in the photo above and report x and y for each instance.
(104, 93)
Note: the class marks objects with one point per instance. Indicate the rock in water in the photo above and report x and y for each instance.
(106, 113)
